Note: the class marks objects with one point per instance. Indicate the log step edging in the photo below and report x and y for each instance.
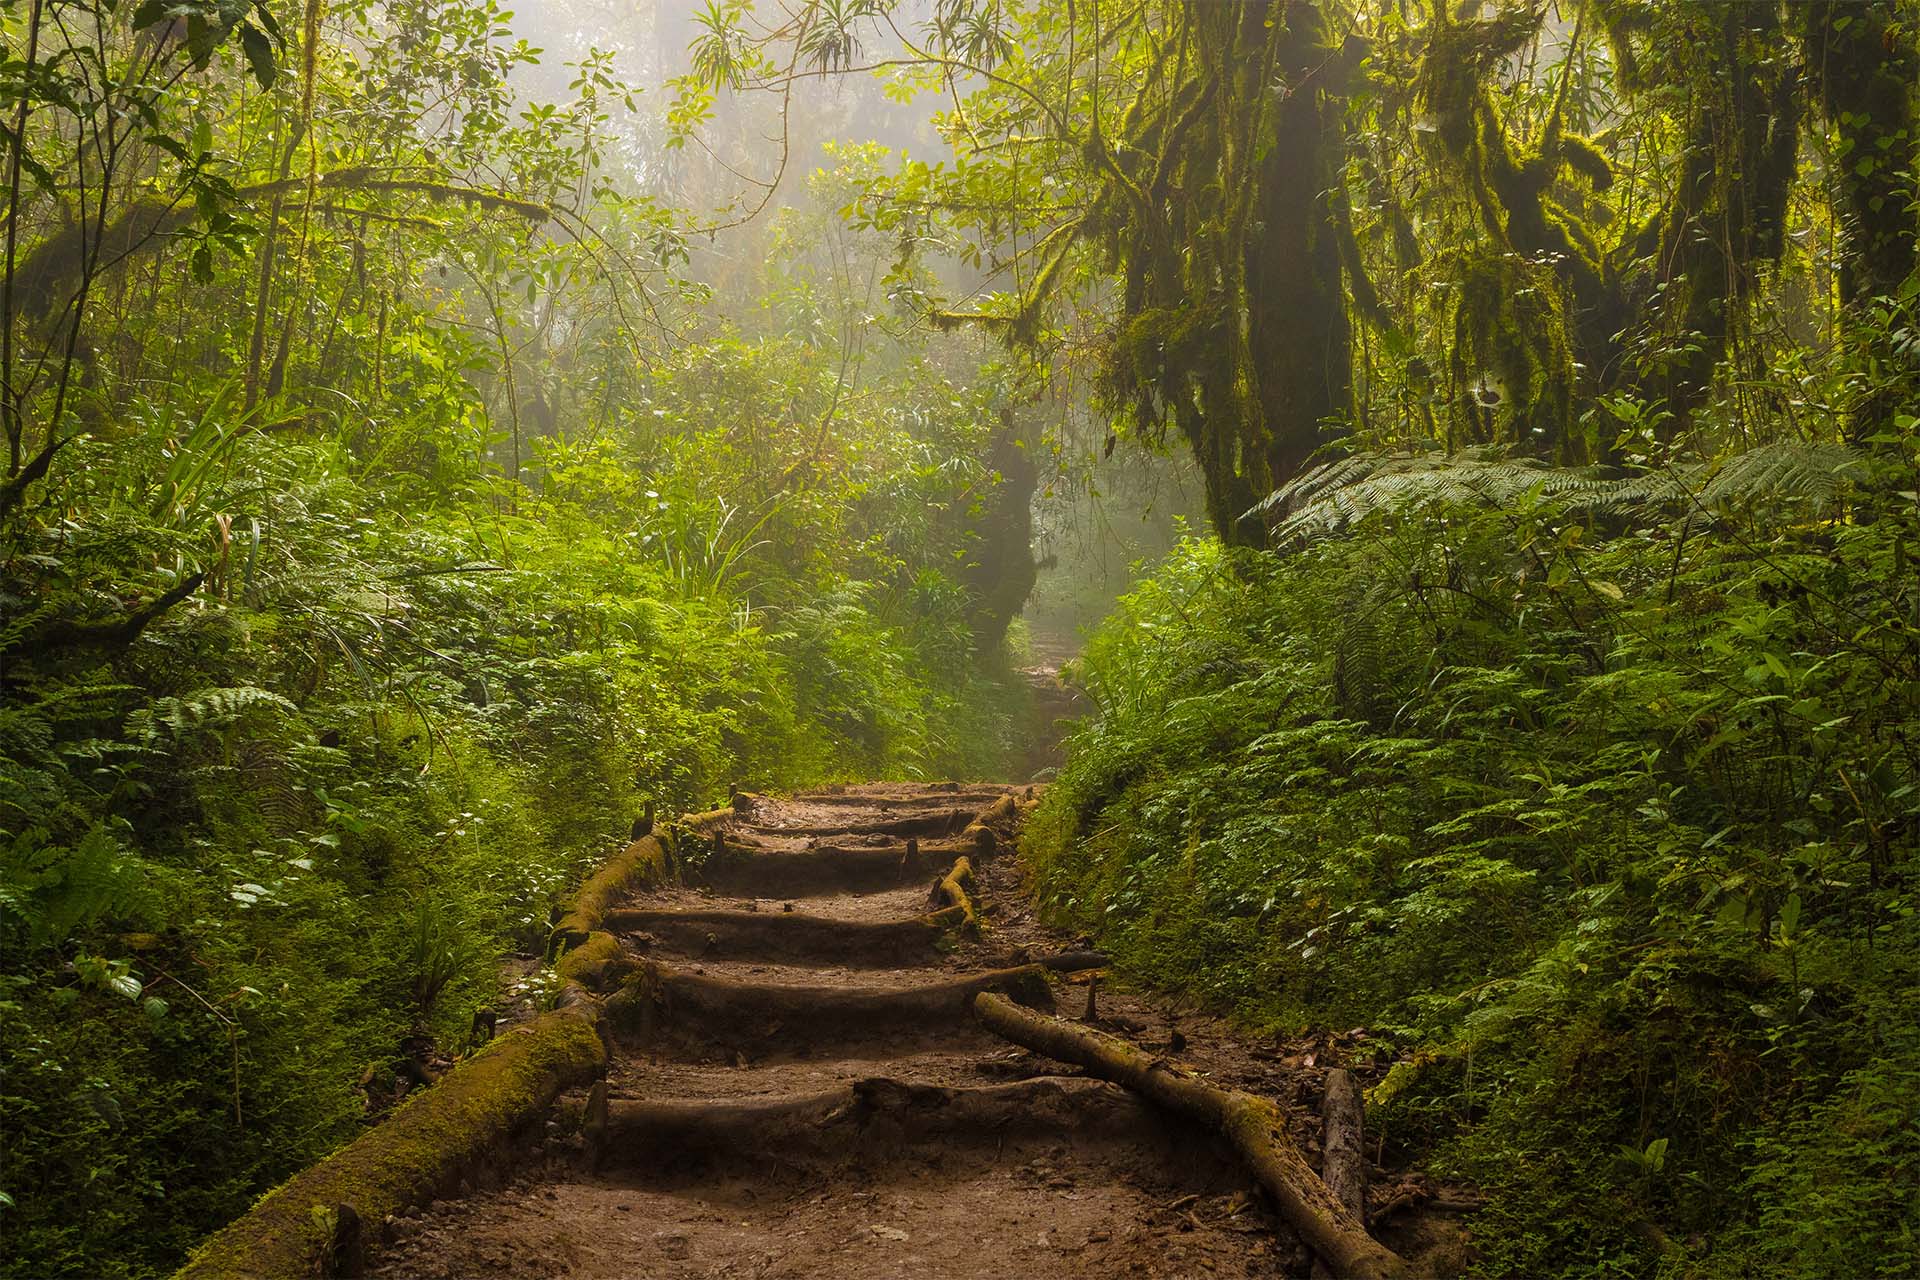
(712, 933)
(842, 1123)
(660, 1005)
(319, 1221)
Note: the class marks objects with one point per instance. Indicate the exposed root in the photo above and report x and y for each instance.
(1254, 1126)
(954, 889)
(994, 826)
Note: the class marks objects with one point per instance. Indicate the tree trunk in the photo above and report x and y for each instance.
(1298, 334)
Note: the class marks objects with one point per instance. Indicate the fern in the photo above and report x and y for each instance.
(1328, 500)
(204, 712)
(49, 891)
(1783, 471)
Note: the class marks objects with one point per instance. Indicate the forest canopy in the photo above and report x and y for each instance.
(437, 435)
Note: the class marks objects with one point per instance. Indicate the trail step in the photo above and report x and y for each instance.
(786, 935)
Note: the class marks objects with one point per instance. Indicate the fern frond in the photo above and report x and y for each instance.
(1783, 471)
(1328, 500)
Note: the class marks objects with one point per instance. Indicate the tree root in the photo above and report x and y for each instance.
(953, 889)
(1254, 1126)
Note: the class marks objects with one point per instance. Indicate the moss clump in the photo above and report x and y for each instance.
(596, 964)
(422, 1151)
(643, 862)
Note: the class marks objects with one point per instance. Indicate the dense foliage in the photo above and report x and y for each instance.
(1601, 825)
(411, 476)
(392, 516)
(1551, 372)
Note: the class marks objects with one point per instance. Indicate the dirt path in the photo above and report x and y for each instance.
(799, 1090)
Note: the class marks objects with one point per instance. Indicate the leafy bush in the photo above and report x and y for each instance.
(1604, 827)
(255, 849)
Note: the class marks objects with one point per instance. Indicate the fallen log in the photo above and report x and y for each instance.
(1343, 1158)
(309, 1224)
(1253, 1125)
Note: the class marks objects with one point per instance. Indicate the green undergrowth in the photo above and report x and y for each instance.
(255, 856)
(1604, 833)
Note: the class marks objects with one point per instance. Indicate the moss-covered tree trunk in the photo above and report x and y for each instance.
(999, 572)
(1237, 325)
(1299, 337)
(1864, 65)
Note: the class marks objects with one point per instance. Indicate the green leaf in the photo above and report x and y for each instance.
(259, 51)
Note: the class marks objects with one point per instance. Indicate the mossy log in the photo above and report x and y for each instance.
(1253, 1125)
(422, 1151)
(787, 935)
(659, 1004)
(644, 862)
(954, 889)
(598, 963)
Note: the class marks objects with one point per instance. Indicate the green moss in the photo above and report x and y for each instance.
(422, 1151)
(641, 863)
(596, 964)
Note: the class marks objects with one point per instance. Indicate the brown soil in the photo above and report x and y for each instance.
(812, 1097)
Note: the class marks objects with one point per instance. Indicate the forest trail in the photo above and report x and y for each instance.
(805, 1093)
